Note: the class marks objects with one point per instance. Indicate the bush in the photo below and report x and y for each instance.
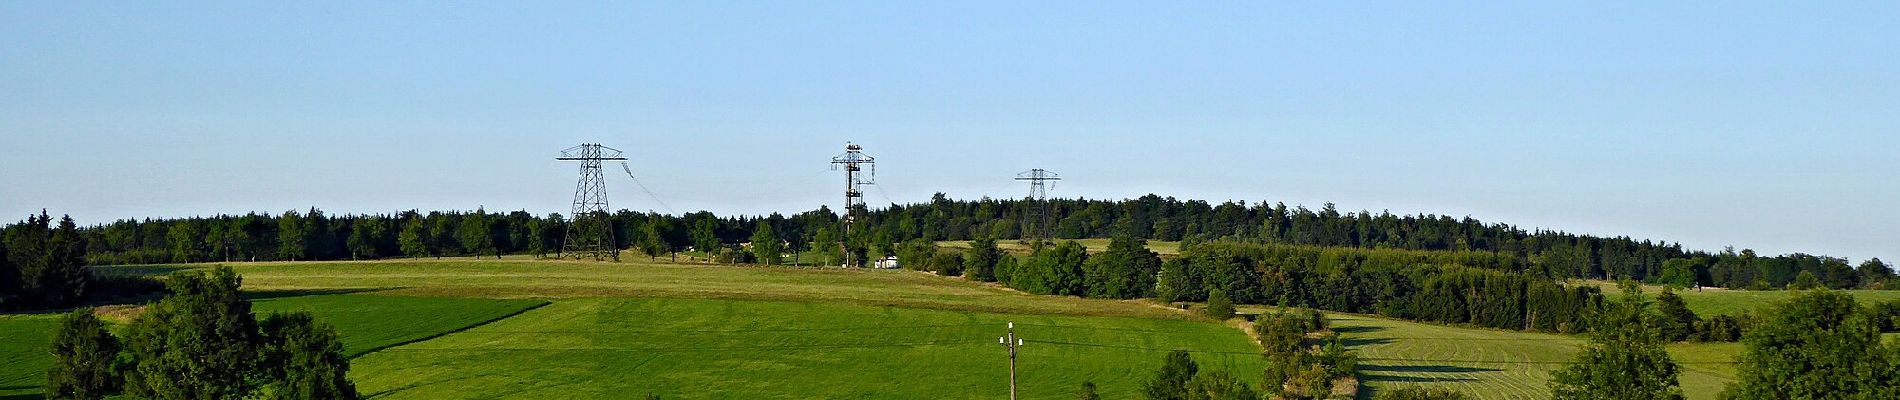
(1087, 392)
(1218, 306)
(305, 358)
(85, 355)
(979, 263)
(1886, 315)
(1817, 344)
(199, 342)
(1419, 393)
(947, 264)
(1720, 328)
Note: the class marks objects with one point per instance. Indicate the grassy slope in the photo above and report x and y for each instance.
(1496, 364)
(561, 279)
(701, 348)
(1714, 301)
(365, 322)
(24, 340)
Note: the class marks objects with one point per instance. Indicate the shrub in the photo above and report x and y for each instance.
(947, 264)
(1419, 393)
(85, 355)
(305, 358)
(1218, 306)
(1087, 392)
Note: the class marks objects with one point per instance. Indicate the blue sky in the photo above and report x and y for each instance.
(1771, 126)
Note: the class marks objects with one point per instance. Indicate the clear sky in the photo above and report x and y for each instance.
(1771, 126)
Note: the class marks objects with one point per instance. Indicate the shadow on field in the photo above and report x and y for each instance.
(138, 270)
(1357, 329)
(1414, 379)
(21, 396)
(1356, 342)
(1425, 368)
(279, 294)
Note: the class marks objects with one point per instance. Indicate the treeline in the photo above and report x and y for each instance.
(1448, 287)
(313, 235)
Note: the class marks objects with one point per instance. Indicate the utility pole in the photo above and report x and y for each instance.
(854, 175)
(591, 231)
(1009, 340)
(1035, 224)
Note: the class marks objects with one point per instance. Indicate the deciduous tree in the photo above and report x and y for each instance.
(85, 359)
(1816, 345)
(1624, 360)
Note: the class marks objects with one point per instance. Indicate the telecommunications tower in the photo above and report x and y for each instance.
(854, 162)
(590, 231)
(1035, 225)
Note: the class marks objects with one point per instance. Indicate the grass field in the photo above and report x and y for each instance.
(563, 279)
(24, 340)
(1496, 364)
(706, 348)
(364, 322)
(425, 329)
(1715, 301)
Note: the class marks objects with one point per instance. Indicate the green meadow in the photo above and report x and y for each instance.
(460, 328)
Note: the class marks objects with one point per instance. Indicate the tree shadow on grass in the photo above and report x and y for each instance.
(1426, 368)
(280, 294)
(138, 270)
(20, 396)
(1358, 329)
(1356, 342)
(1414, 379)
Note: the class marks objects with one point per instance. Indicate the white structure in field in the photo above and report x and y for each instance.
(888, 263)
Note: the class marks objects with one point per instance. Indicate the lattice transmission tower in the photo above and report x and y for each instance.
(856, 167)
(1035, 224)
(590, 233)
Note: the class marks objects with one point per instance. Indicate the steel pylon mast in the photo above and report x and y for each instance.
(1035, 224)
(590, 232)
(856, 167)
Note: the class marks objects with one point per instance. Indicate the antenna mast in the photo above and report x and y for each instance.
(855, 163)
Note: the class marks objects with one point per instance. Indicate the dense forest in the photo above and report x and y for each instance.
(314, 235)
(40, 258)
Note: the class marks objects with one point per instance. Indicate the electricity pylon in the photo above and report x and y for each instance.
(1036, 216)
(590, 233)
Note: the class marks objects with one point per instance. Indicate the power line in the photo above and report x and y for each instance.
(643, 187)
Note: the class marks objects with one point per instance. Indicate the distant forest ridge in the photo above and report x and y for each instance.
(313, 235)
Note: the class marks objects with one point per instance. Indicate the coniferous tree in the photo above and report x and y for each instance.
(85, 359)
(65, 279)
(1624, 360)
